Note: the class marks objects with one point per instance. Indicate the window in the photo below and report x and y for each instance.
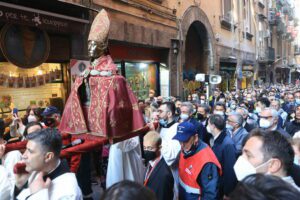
(247, 16)
(227, 10)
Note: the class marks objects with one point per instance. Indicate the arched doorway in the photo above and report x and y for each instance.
(198, 52)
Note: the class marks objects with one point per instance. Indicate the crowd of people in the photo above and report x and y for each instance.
(239, 144)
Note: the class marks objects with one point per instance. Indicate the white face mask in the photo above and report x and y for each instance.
(264, 123)
(219, 113)
(184, 117)
(208, 129)
(202, 101)
(243, 168)
(31, 118)
(258, 109)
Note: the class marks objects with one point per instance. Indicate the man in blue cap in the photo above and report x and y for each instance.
(51, 116)
(199, 169)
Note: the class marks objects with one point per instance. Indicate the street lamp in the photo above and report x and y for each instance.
(175, 46)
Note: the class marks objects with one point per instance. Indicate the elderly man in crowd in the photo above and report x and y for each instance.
(236, 130)
(275, 104)
(249, 124)
(269, 121)
(187, 111)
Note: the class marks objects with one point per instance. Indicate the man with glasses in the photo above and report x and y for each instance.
(281, 113)
(236, 129)
(269, 121)
(249, 124)
(158, 176)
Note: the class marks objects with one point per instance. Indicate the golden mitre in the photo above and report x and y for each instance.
(100, 28)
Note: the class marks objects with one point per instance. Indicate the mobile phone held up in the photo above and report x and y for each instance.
(15, 111)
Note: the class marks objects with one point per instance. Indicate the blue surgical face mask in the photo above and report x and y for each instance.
(296, 160)
(163, 122)
(233, 106)
(297, 101)
(229, 127)
(184, 117)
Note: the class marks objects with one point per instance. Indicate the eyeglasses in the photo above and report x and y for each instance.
(149, 148)
(265, 117)
(228, 120)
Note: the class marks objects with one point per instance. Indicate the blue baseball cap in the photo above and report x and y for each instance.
(50, 110)
(185, 130)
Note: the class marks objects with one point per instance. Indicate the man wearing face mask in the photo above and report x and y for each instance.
(269, 121)
(297, 97)
(177, 112)
(224, 148)
(220, 109)
(233, 105)
(167, 130)
(51, 117)
(158, 176)
(187, 111)
(237, 131)
(199, 169)
(249, 124)
(267, 152)
(261, 104)
(202, 99)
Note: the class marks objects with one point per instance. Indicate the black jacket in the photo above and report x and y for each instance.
(161, 181)
(292, 127)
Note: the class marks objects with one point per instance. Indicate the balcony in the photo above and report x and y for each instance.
(267, 56)
(261, 4)
(281, 28)
(296, 50)
(273, 17)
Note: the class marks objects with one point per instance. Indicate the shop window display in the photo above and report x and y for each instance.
(30, 86)
(141, 77)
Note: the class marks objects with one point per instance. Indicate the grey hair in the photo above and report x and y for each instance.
(245, 111)
(189, 105)
(278, 101)
(205, 106)
(238, 118)
(274, 112)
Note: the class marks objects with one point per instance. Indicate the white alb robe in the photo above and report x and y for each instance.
(125, 162)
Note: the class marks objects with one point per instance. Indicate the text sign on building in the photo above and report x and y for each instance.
(11, 13)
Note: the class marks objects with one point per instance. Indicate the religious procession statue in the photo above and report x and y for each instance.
(101, 102)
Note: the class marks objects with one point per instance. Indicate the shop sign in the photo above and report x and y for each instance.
(10, 13)
(248, 68)
(247, 74)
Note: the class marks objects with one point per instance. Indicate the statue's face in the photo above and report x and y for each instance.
(93, 50)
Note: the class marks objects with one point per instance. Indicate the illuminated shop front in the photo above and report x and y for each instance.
(38, 39)
(144, 68)
(24, 87)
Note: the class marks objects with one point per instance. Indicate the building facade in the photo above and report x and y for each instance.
(158, 44)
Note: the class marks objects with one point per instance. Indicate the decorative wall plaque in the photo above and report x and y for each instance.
(25, 47)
